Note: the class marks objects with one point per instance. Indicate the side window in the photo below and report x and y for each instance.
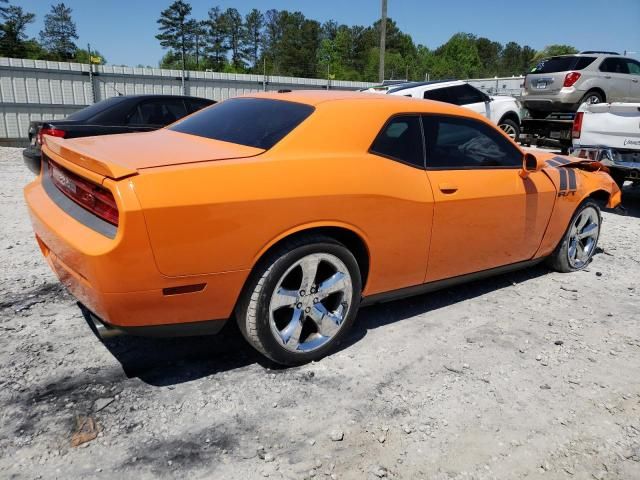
(439, 95)
(401, 139)
(614, 65)
(157, 112)
(465, 95)
(459, 143)
(633, 67)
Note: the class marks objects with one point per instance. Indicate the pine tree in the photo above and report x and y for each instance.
(59, 32)
(215, 46)
(233, 22)
(12, 31)
(175, 28)
(253, 25)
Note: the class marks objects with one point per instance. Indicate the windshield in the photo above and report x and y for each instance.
(92, 110)
(254, 122)
(562, 64)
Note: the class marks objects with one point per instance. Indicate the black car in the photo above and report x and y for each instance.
(124, 114)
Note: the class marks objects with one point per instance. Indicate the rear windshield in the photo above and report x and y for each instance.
(92, 110)
(562, 64)
(254, 122)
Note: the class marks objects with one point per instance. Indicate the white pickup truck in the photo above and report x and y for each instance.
(610, 133)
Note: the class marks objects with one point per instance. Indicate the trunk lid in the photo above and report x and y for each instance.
(122, 155)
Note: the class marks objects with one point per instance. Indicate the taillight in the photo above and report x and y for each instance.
(92, 197)
(576, 130)
(571, 78)
(54, 132)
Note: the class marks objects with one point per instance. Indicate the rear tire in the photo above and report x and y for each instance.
(578, 245)
(591, 98)
(300, 300)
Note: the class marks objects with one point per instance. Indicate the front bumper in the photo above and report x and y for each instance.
(117, 278)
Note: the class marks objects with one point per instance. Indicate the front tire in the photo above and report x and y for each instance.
(511, 128)
(301, 300)
(578, 245)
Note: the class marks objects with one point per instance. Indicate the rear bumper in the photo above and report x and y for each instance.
(32, 158)
(117, 278)
(546, 105)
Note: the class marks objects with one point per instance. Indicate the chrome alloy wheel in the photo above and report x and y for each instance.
(583, 237)
(310, 302)
(591, 99)
(509, 130)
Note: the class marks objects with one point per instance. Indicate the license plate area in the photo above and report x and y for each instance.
(541, 85)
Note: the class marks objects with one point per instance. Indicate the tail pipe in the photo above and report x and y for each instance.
(104, 331)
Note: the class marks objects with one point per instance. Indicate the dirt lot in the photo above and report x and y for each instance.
(528, 375)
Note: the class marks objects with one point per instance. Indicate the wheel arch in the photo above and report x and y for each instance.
(348, 235)
(596, 90)
(510, 115)
(600, 196)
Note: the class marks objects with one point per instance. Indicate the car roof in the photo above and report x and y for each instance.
(154, 96)
(432, 85)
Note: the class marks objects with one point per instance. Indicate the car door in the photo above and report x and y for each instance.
(618, 80)
(485, 214)
(634, 76)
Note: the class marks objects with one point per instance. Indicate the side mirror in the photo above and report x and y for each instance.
(530, 164)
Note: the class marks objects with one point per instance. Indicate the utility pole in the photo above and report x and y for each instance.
(264, 74)
(383, 39)
(93, 90)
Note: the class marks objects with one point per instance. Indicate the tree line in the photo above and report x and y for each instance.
(280, 42)
(56, 40)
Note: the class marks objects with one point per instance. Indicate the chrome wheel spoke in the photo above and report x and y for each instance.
(588, 231)
(283, 298)
(309, 267)
(290, 336)
(327, 322)
(583, 237)
(335, 283)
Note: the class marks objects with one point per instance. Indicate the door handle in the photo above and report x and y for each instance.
(634, 80)
(447, 188)
(607, 76)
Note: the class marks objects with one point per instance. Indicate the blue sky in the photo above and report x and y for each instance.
(124, 30)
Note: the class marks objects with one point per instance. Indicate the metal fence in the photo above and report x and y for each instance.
(43, 90)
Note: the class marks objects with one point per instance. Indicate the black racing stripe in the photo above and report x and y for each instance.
(563, 179)
(561, 161)
(552, 163)
(572, 179)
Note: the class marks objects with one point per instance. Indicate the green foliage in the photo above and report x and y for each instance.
(82, 56)
(551, 51)
(176, 28)
(12, 31)
(59, 33)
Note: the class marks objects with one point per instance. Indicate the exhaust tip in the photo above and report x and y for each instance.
(105, 332)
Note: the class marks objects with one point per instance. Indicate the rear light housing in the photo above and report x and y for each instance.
(571, 78)
(94, 198)
(54, 132)
(576, 130)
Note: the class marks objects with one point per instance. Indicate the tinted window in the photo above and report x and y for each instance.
(93, 110)
(614, 65)
(255, 122)
(439, 95)
(157, 112)
(455, 143)
(401, 139)
(562, 64)
(193, 105)
(465, 95)
(633, 67)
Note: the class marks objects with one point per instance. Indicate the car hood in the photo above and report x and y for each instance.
(121, 155)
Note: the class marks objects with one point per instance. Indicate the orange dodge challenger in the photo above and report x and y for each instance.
(289, 210)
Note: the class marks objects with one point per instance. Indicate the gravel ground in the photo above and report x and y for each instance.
(533, 374)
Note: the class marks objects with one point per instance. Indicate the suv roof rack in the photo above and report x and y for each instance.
(588, 52)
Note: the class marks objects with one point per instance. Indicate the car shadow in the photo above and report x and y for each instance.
(172, 361)
(630, 202)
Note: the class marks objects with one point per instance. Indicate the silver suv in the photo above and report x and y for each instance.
(563, 83)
